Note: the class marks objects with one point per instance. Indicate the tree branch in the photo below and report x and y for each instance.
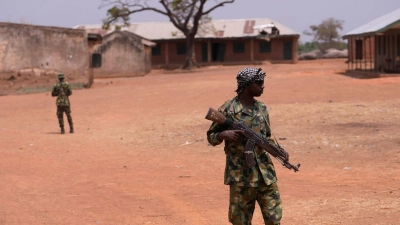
(216, 6)
(198, 16)
(172, 17)
(126, 4)
(192, 7)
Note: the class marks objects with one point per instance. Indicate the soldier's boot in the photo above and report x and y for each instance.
(71, 125)
(62, 130)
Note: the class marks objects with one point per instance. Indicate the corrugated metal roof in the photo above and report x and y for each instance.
(377, 25)
(148, 43)
(127, 33)
(216, 29)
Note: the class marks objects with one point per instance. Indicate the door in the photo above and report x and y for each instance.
(287, 50)
(204, 52)
(218, 52)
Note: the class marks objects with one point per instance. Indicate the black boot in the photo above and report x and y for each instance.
(71, 130)
(62, 130)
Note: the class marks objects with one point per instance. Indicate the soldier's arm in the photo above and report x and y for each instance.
(69, 90)
(212, 134)
(55, 90)
(215, 129)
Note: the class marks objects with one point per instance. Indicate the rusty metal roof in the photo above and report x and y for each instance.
(378, 25)
(234, 28)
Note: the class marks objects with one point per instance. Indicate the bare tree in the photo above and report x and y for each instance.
(326, 34)
(186, 15)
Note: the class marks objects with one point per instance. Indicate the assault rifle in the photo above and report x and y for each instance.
(253, 139)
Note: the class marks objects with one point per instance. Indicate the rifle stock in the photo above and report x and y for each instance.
(253, 138)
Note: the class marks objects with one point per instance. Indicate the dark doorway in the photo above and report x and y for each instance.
(359, 49)
(217, 52)
(204, 52)
(96, 60)
(287, 50)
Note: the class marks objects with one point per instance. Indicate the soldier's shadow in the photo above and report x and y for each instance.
(53, 133)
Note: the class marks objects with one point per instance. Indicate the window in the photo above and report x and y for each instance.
(156, 50)
(96, 60)
(180, 49)
(265, 46)
(359, 49)
(238, 47)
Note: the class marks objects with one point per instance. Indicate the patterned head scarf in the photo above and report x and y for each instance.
(247, 76)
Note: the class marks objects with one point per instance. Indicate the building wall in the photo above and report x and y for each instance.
(173, 56)
(123, 55)
(161, 58)
(31, 56)
(230, 55)
(368, 44)
(277, 50)
(264, 56)
(275, 55)
(380, 53)
(388, 51)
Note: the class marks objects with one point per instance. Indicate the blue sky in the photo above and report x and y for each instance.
(296, 14)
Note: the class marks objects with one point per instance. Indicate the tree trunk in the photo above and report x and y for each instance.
(190, 60)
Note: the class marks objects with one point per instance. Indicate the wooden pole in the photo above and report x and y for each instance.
(351, 51)
(370, 53)
(252, 50)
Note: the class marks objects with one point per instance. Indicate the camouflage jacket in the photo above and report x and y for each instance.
(236, 170)
(62, 90)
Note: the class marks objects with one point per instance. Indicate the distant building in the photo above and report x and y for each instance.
(32, 56)
(219, 42)
(123, 54)
(375, 46)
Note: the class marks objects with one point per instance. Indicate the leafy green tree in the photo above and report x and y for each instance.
(326, 34)
(308, 47)
(186, 15)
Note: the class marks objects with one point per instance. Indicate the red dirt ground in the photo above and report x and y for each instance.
(140, 154)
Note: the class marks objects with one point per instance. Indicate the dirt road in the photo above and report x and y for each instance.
(139, 154)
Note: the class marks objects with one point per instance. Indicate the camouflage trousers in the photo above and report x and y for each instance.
(60, 114)
(243, 200)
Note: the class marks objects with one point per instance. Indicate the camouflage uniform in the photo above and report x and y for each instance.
(248, 185)
(62, 90)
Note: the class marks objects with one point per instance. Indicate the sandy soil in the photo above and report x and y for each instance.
(140, 154)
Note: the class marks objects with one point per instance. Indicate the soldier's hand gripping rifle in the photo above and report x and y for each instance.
(252, 139)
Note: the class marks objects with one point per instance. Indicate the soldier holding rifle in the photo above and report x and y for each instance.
(62, 90)
(249, 182)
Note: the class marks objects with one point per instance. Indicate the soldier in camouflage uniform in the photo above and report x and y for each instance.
(62, 90)
(248, 185)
